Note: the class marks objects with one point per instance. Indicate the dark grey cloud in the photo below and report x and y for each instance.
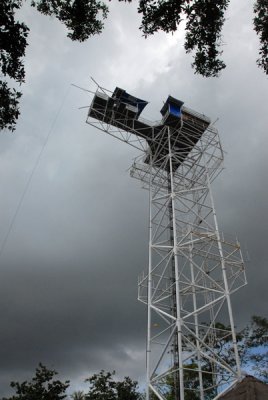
(70, 265)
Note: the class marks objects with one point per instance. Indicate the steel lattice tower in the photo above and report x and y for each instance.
(193, 269)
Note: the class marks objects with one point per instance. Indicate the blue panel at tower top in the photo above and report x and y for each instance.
(173, 106)
(175, 110)
(127, 98)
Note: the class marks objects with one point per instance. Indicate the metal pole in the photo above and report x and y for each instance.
(149, 293)
(196, 322)
(178, 307)
(173, 298)
(226, 286)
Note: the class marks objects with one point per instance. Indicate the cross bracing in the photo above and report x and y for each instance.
(193, 269)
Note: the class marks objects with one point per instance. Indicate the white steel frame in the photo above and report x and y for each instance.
(193, 269)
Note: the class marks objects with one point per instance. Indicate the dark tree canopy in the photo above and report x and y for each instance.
(203, 35)
(13, 43)
(84, 18)
(254, 346)
(261, 27)
(104, 387)
(204, 21)
(9, 106)
(43, 386)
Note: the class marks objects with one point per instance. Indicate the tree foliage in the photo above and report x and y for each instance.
(79, 395)
(84, 18)
(261, 27)
(43, 386)
(9, 106)
(204, 21)
(253, 347)
(203, 35)
(13, 42)
(104, 387)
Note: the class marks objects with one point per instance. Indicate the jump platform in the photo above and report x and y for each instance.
(123, 111)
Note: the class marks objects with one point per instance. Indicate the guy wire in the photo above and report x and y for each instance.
(28, 182)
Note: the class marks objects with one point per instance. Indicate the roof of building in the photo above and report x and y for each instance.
(249, 388)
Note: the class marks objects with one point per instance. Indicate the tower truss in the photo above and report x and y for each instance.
(193, 268)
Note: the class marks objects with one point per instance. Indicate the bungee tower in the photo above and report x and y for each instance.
(193, 268)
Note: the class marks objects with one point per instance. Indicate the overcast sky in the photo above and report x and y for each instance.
(71, 257)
